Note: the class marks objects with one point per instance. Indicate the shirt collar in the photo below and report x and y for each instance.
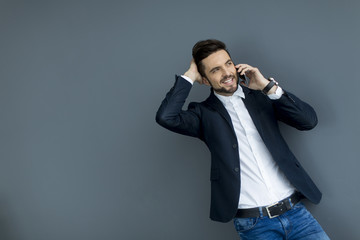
(238, 93)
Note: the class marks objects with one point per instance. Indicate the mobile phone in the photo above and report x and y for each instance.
(243, 78)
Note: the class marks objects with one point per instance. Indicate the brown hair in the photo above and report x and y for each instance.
(203, 49)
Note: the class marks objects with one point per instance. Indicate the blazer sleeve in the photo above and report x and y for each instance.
(170, 114)
(294, 112)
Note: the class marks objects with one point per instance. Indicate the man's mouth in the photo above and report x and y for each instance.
(228, 81)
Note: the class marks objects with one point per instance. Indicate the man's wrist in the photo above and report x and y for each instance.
(190, 75)
(271, 87)
(272, 90)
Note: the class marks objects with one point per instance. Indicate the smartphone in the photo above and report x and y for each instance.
(243, 78)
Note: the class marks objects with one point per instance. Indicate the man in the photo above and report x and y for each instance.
(255, 178)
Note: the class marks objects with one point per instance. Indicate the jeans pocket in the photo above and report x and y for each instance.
(245, 224)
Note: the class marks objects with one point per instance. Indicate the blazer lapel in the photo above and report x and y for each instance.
(213, 102)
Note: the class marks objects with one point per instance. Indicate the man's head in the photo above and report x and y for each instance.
(215, 66)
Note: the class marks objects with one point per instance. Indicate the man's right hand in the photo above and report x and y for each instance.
(193, 73)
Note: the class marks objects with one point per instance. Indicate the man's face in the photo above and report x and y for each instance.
(220, 73)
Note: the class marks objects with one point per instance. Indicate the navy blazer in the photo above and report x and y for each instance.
(210, 122)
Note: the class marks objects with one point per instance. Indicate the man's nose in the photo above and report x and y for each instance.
(227, 72)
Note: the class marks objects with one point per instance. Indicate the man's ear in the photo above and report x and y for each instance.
(205, 81)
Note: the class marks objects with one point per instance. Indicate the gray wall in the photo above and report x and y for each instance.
(81, 156)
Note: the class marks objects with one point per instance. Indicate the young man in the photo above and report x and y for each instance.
(255, 178)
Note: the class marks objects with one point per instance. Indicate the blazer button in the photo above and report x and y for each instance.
(236, 169)
(234, 145)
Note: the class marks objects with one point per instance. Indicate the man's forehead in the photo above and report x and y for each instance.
(216, 58)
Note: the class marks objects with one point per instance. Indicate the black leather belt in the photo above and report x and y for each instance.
(271, 211)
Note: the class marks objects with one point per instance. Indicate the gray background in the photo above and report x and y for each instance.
(81, 156)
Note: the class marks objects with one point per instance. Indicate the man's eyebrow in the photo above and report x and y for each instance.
(229, 60)
(213, 68)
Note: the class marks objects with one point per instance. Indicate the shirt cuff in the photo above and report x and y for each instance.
(187, 79)
(277, 95)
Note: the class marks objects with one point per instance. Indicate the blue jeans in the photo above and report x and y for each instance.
(297, 223)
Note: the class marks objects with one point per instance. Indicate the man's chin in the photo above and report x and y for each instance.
(227, 91)
(233, 89)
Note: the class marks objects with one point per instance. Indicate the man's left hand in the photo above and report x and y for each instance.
(257, 80)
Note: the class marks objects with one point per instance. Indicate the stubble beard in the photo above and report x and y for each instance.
(223, 89)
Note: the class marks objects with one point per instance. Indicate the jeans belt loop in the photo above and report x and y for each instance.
(261, 212)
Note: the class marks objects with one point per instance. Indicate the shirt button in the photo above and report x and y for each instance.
(234, 145)
(236, 169)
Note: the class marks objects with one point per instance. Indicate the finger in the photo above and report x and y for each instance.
(241, 68)
(243, 65)
(244, 70)
(240, 65)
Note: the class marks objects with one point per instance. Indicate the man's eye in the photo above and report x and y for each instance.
(229, 63)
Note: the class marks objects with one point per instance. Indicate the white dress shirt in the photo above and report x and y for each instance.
(262, 182)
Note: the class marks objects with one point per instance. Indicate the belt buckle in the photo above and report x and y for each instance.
(268, 211)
